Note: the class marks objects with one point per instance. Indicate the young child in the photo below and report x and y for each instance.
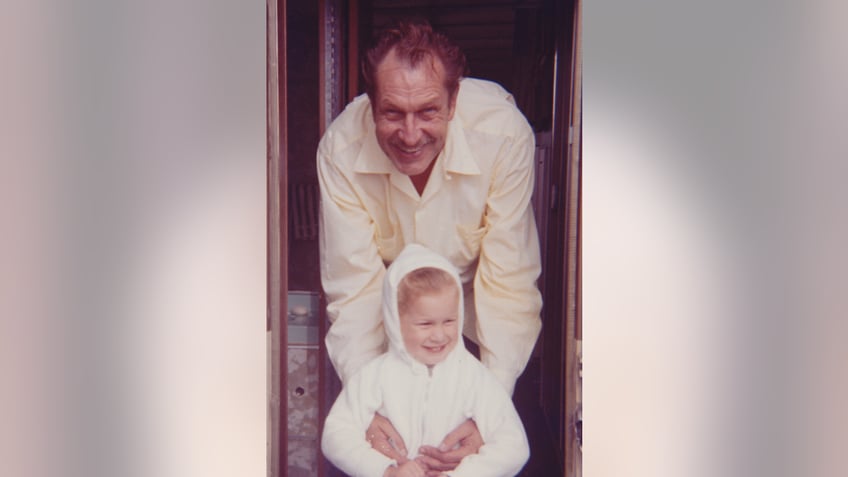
(426, 384)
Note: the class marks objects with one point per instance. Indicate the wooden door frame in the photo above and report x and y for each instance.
(276, 239)
(331, 101)
(573, 264)
(562, 311)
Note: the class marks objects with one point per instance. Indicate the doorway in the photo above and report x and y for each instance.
(529, 48)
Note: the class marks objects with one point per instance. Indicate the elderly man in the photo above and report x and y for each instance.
(430, 157)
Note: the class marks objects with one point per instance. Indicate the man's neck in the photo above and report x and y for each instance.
(420, 181)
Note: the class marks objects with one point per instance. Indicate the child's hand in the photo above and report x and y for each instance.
(431, 473)
(409, 468)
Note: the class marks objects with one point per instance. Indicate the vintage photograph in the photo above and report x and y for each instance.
(424, 238)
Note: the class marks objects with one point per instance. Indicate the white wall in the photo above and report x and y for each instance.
(714, 233)
(134, 179)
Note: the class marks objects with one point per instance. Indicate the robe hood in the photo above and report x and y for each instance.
(413, 257)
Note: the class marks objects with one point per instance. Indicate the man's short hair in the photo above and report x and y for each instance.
(414, 41)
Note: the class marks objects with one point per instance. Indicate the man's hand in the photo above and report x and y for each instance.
(445, 457)
(385, 439)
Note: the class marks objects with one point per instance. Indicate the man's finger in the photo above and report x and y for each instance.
(382, 445)
(427, 462)
(393, 436)
(437, 459)
(433, 465)
(465, 430)
(456, 436)
(470, 445)
(381, 428)
(457, 454)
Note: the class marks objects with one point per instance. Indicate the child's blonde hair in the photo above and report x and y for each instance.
(420, 282)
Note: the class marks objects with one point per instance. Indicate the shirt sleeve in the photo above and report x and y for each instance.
(506, 298)
(505, 450)
(351, 271)
(343, 438)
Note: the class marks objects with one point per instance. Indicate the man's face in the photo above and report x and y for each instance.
(412, 109)
(430, 327)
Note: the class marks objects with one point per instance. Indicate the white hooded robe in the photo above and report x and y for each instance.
(423, 404)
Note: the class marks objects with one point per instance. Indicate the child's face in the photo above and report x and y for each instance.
(430, 325)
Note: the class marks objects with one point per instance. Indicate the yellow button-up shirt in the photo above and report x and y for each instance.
(475, 210)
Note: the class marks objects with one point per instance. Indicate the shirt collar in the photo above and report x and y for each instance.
(372, 159)
(458, 156)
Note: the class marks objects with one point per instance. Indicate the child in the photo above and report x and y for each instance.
(426, 384)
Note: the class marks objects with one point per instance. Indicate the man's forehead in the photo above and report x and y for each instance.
(419, 97)
(428, 62)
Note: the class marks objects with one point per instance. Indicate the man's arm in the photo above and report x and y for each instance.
(506, 449)
(343, 439)
(507, 300)
(351, 272)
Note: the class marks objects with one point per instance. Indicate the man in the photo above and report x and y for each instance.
(429, 157)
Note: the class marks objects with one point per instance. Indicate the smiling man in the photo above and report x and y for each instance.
(412, 109)
(427, 156)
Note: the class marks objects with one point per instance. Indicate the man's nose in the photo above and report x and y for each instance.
(410, 132)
